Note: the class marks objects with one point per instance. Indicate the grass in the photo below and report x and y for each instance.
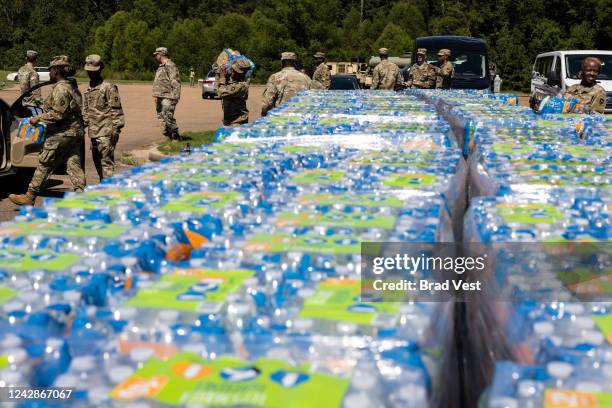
(128, 159)
(3, 82)
(192, 139)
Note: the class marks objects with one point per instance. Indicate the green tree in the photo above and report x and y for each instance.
(454, 21)
(395, 39)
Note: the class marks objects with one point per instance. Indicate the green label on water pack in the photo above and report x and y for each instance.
(91, 200)
(188, 379)
(201, 202)
(282, 242)
(585, 151)
(42, 259)
(192, 290)
(529, 213)
(64, 229)
(318, 176)
(6, 294)
(300, 149)
(511, 148)
(338, 300)
(188, 176)
(409, 180)
(4, 361)
(365, 200)
(419, 159)
(604, 322)
(336, 219)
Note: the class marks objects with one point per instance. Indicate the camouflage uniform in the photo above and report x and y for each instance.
(386, 75)
(103, 115)
(283, 85)
(28, 78)
(234, 95)
(422, 76)
(445, 74)
(593, 98)
(62, 115)
(167, 90)
(322, 76)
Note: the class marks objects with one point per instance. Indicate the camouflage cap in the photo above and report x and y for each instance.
(289, 56)
(422, 51)
(444, 51)
(59, 61)
(383, 51)
(319, 54)
(93, 62)
(161, 51)
(241, 66)
(31, 54)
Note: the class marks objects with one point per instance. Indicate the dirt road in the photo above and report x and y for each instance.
(142, 129)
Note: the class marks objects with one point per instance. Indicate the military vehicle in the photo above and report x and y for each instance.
(363, 71)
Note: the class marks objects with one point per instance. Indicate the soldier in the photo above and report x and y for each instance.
(284, 84)
(191, 77)
(422, 74)
(166, 92)
(234, 94)
(28, 78)
(446, 72)
(386, 75)
(321, 74)
(587, 92)
(103, 116)
(64, 120)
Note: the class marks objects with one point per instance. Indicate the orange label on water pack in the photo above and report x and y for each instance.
(191, 371)
(161, 351)
(340, 282)
(570, 399)
(137, 387)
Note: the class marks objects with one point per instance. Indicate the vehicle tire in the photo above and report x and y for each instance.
(204, 96)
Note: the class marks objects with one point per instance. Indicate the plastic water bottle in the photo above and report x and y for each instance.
(497, 84)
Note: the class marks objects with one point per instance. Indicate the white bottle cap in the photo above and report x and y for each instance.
(10, 377)
(606, 369)
(10, 341)
(54, 343)
(358, 400)
(120, 373)
(347, 328)
(83, 363)
(238, 309)
(588, 386)
(503, 402)
(16, 355)
(67, 381)
(141, 354)
(527, 388)
(584, 322)
(303, 324)
(593, 337)
(543, 328)
(574, 308)
(168, 315)
(559, 369)
(127, 313)
(363, 380)
(98, 395)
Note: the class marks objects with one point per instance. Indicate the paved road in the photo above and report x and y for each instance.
(142, 129)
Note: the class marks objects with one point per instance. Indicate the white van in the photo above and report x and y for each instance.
(554, 72)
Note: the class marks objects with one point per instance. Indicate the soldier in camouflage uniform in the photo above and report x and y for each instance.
(63, 117)
(446, 72)
(284, 84)
(590, 95)
(103, 116)
(234, 94)
(386, 75)
(422, 74)
(166, 92)
(28, 78)
(321, 75)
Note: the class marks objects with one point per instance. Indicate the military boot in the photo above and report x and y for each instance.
(23, 199)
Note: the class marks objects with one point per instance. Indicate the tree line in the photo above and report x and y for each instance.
(125, 32)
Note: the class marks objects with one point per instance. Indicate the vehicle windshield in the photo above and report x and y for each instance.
(466, 64)
(573, 65)
(343, 83)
